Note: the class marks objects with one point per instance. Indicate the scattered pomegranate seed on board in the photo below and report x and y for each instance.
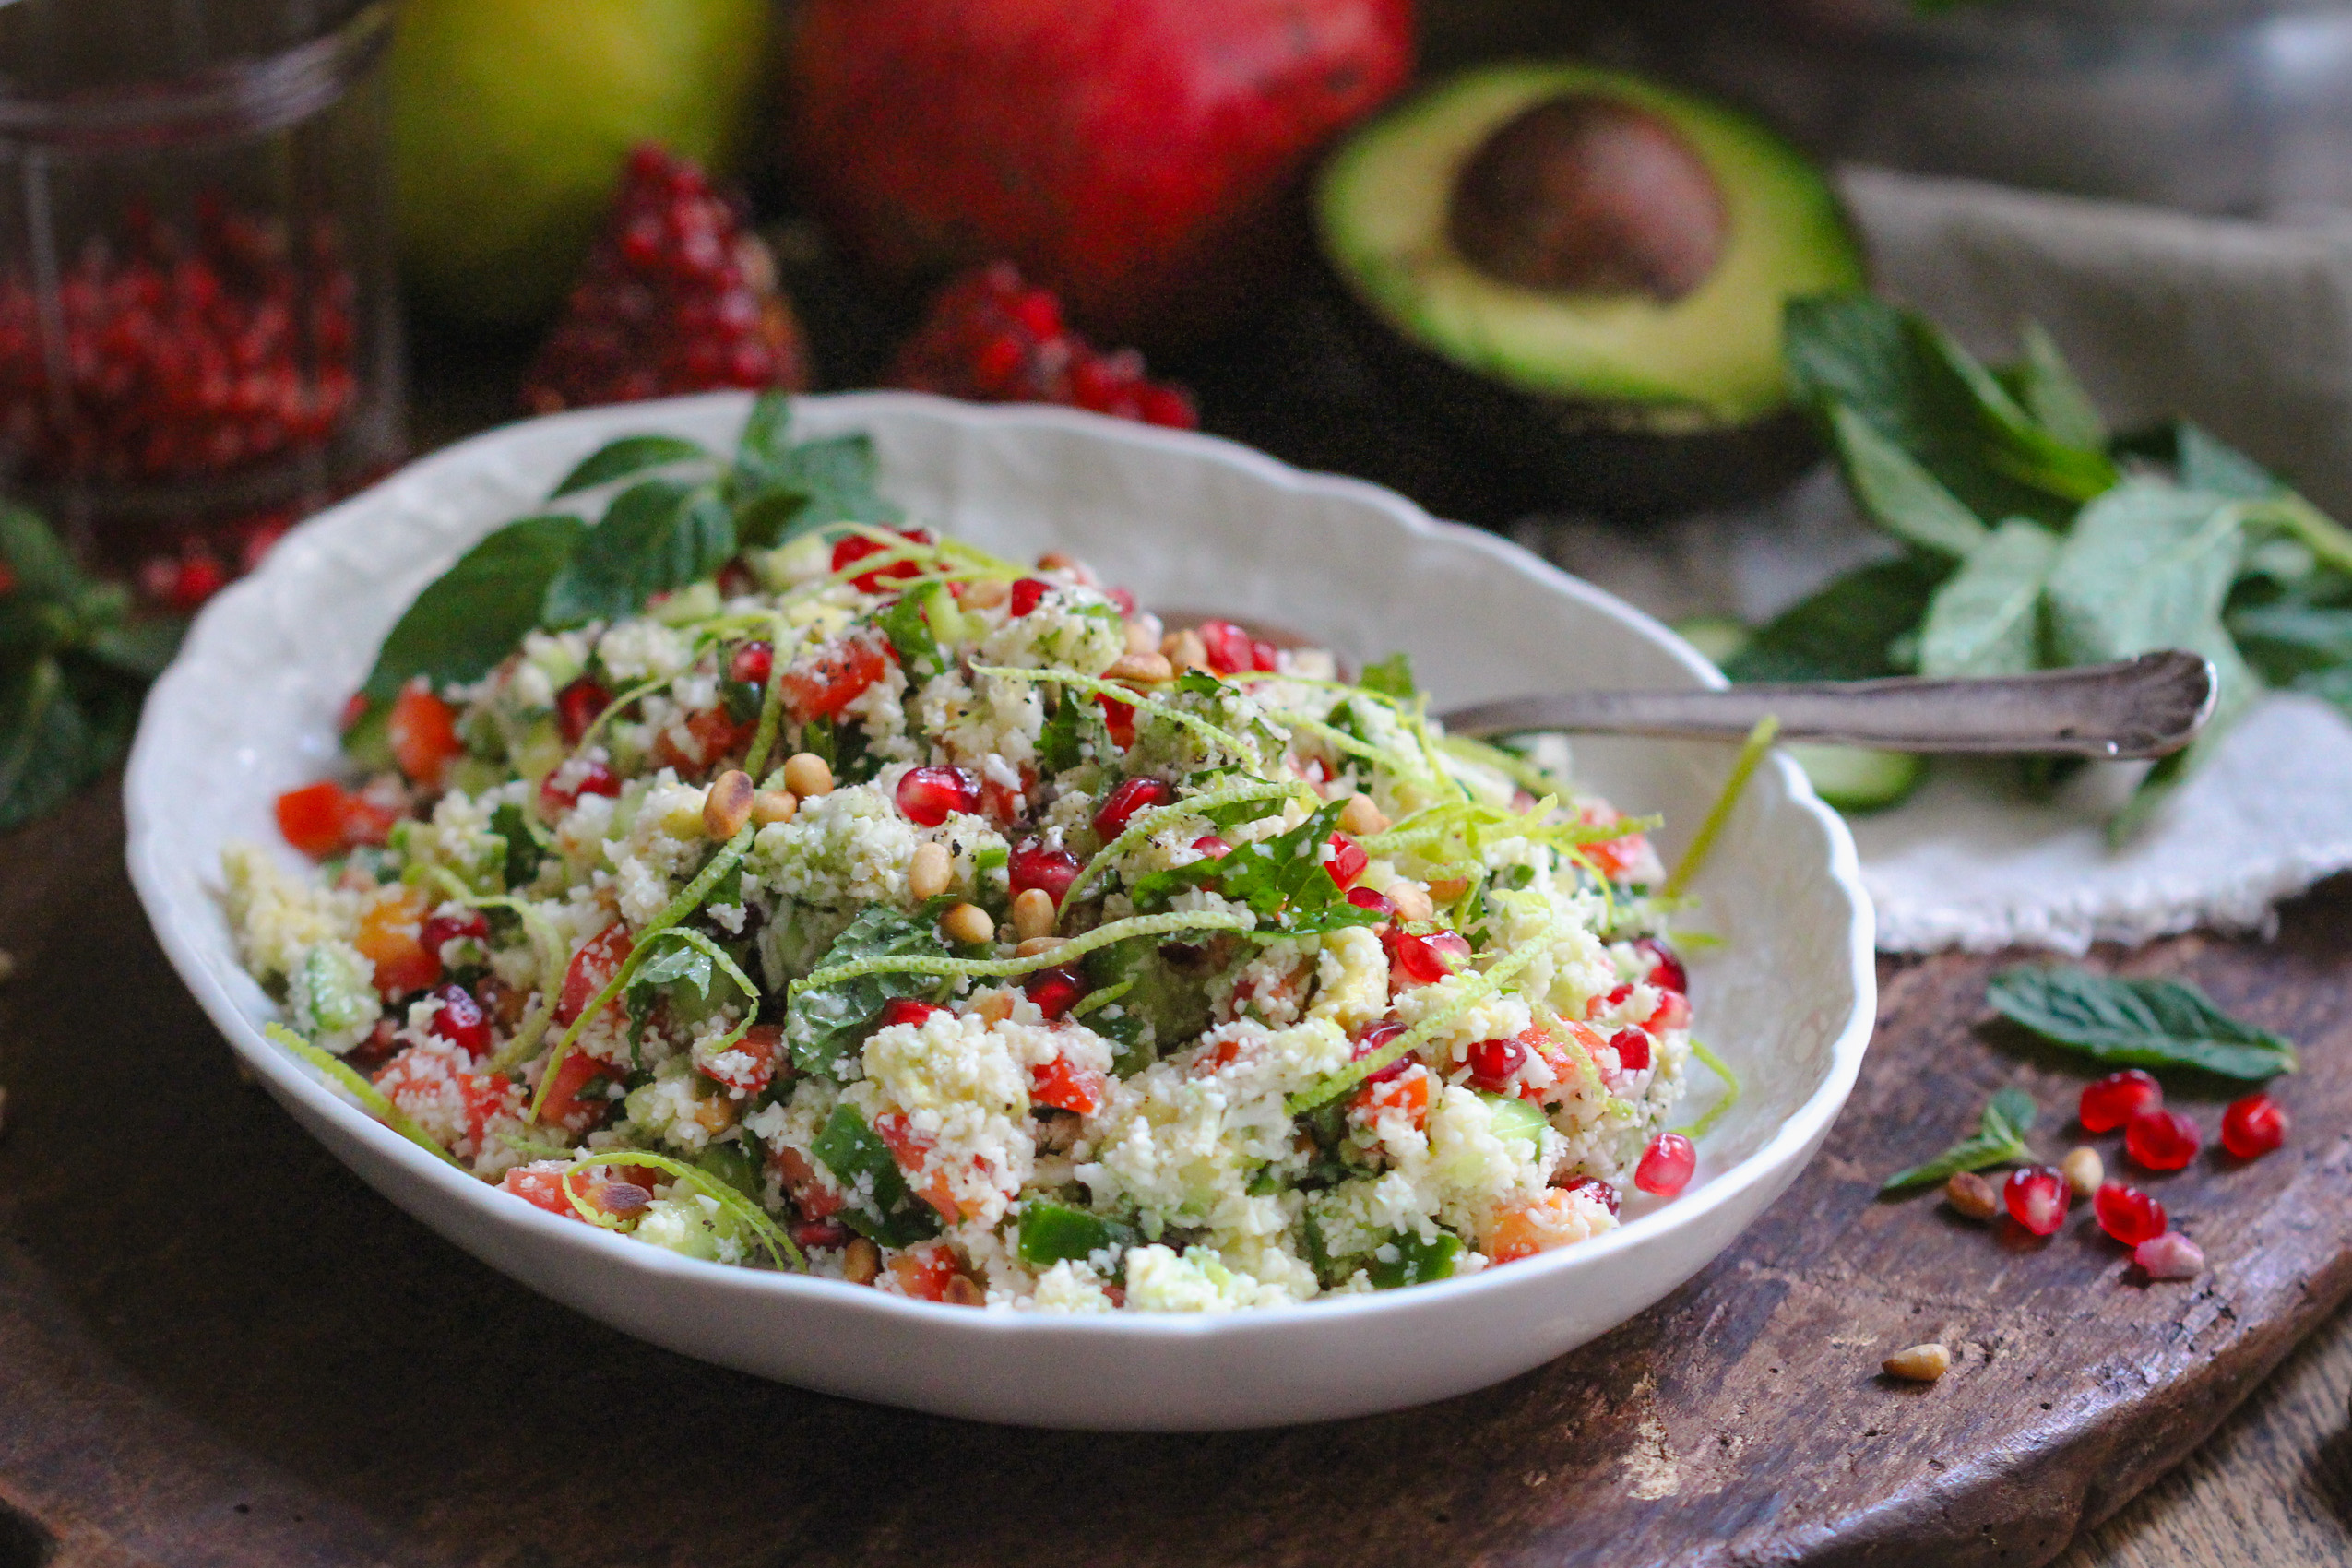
(2253, 1126)
(2129, 1214)
(2162, 1140)
(2116, 1098)
(2036, 1197)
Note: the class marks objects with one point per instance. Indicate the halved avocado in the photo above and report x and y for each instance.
(1587, 269)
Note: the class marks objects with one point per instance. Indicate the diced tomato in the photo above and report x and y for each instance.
(1347, 861)
(423, 732)
(598, 960)
(1553, 1218)
(825, 682)
(857, 547)
(568, 1104)
(924, 1272)
(757, 1051)
(486, 1096)
(1121, 717)
(389, 936)
(1066, 1085)
(816, 1197)
(1410, 1091)
(711, 734)
(326, 819)
(541, 1185)
(912, 1151)
(562, 789)
(1616, 858)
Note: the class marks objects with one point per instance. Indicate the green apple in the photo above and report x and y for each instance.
(511, 119)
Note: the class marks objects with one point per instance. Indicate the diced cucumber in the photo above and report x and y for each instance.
(368, 742)
(1053, 1233)
(1718, 637)
(693, 1225)
(1853, 779)
(333, 997)
(733, 1164)
(1515, 1118)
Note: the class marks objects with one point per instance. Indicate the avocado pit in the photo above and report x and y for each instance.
(1587, 194)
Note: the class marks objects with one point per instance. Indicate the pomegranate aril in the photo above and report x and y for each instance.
(2036, 1197)
(1035, 863)
(1665, 1165)
(753, 663)
(2128, 1214)
(1227, 648)
(457, 1019)
(2116, 1098)
(1424, 960)
(816, 1235)
(2162, 1140)
(1347, 860)
(1127, 800)
(1365, 898)
(440, 929)
(1372, 1039)
(1263, 654)
(1492, 1061)
(1665, 970)
(2253, 1126)
(1055, 992)
(578, 778)
(907, 1010)
(1592, 1186)
(1026, 595)
(576, 707)
(1212, 847)
(1632, 1047)
(929, 796)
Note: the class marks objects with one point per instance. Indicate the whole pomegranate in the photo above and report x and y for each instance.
(1135, 156)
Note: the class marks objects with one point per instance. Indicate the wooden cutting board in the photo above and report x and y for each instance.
(218, 1348)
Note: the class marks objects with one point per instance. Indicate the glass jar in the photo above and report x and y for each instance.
(199, 338)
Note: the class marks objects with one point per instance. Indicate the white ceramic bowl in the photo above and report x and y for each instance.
(249, 710)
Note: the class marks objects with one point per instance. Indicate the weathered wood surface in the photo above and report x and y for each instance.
(218, 1348)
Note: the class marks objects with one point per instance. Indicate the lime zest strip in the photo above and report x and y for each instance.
(765, 1231)
(1752, 756)
(1103, 998)
(371, 1099)
(1224, 741)
(719, 956)
(1146, 823)
(1721, 1069)
(1516, 769)
(771, 702)
(1005, 968)
(596, 726)
(1413, 766)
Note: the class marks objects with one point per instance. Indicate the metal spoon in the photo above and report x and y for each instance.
(2137, 707)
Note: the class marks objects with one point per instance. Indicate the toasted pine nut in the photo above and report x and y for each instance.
(716, 1114)
(808, 775)
(1033, 945)
(929, 871)
(962, 1292)
(728, 805)
(994, 1007)
(1972, 1195)
(861, 1261)
(1143, 669)
(969, 924)
(1412, 901)
(1057, 561)
(1362, 818)
(2084, 1169)
(1033, 913)
(772, 806)
(1141, 637)
(1446, 889)
(1185, 650)
(1921, 1364)
(986, 593)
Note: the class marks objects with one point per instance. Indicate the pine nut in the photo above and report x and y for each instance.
(1972, 1195)
(1141, 638)
(967, 924)
(1362, 818)
(1057, 561)
(1446, 889)
(1185, 650)
(1033, 913)
(716, 1114)
(808, 775)
(1412, 901)
(962, 1292)
(860, 1261)
(929, 871)
(1033, 945)
(994, 1007)
(772, 806)
(986, 593)
(1143, 669)
(1921, 1364)
(2084, 1169)
(728, 805)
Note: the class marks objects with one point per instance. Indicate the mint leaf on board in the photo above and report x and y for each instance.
(2292, 638)
(629, 455)
(2020, 446)
(657, 535)
(1844, 631)
(2046, 385)
(823, 1024)
(1392, 677)
(1986, 619)
(1901, 496)
(2137, 1022)
(473, 614)
(882, 1207)
(2000, 1139)
(2210, 465)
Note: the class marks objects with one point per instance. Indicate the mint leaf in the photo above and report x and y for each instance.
(1844, 631)
(2208, 463)
(1986, 620)
(2148, 566)
(881, 1206)
(37, 559)
(1061, 744)
(676, 960)
(473, 614)
(1900, 496)
(908, 626)
(659, 535)
(807, 487)
(2000, 1140)
(768, 431)
(2292, 638)
(137, 649)
(1392, 677)
(58, 730)
(2046, 385)
(2019, 445)
(823, 1024)
(629, 455)
(2137, 1022)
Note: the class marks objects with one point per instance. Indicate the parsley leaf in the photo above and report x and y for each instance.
(2138, 1023)
(2000, 1140)
(823, 1024)
(1392, 677)
(1281, 879)
(907, 625)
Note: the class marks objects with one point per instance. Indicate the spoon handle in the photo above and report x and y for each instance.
(2137, 707)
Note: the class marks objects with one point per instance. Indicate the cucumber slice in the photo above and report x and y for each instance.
(1857, 780)
(1718, 637)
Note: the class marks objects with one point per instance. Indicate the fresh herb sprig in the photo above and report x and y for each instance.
(2000, 1139)
(2123, 1022)
(74, 663)
(2034, 538)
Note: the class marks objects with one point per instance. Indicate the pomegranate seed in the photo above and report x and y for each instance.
(440, 929)
(2162, 1140)
(1492, 1062)
(753, 663)
(1632, 1047)
(1055, 992)
(592, 779)
(201, 577)
(1348, 860)
(1673, 1013)
(1124, 600)
(1026, 595)
(1228, 646)
(2036, 1197)
(2253, 1126)
(2171, 1256)
(929, 796)
(815, 1235)
(1665, 970)
(577, 706)
(906, 1010)
(857, 547)
(1036, 864)
(2128, 1214)
(1128, 798)
(457, 1019)
(2116, 1098)
(1424, 960)
(1665, 1165)
(1372, 1039)
(1365, 898)
(1211, 845)
(1595, 1186)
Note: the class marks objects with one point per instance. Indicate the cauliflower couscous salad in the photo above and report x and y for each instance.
(756, 875)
